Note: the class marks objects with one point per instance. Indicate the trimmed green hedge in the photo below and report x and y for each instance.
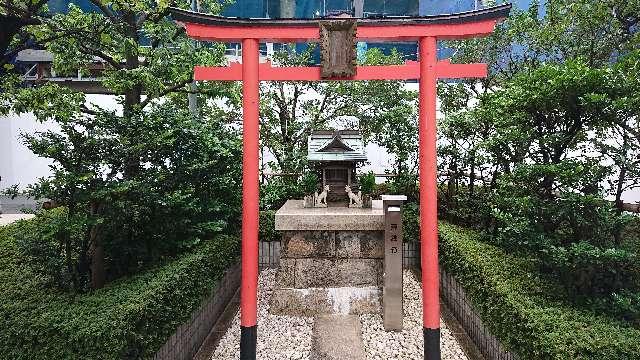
(267, 230)
(129, 319)
(528, 312)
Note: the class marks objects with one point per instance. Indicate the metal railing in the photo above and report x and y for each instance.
(458, 302)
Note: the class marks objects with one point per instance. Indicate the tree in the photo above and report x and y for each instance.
(387, 112)
(107, 170)
(598, 32)
(554, 122)
(16, 17)
(290, 111)
(620, 142)
(463, 132)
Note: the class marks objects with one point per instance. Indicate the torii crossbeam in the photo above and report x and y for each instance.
(426, 30)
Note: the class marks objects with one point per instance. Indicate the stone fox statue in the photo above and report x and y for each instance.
(321, 199)
(354, 199)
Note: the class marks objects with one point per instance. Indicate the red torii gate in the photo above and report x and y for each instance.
(426, 31)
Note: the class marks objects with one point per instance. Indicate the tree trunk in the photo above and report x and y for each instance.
(494, 180)
(11, 25)
(621, 177)
(133, 96)
(453, 173)
(132, 62)
(472, 174)
(98, 273)
(6, 35)
(619, 189)
(619, 205)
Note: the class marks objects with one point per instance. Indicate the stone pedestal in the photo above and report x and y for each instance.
(331, 260)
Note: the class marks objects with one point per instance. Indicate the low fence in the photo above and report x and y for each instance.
(460, 305)
(269, 254)
(188, 338)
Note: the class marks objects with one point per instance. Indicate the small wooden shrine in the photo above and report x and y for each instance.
(335, 156)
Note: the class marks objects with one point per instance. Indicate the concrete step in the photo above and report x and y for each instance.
(337, 337)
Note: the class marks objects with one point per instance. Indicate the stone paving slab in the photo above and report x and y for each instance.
(337, 337)
(290, 337)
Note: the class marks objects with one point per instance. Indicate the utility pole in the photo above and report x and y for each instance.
(193, 98)
(358, 8)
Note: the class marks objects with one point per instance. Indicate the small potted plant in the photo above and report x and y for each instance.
(367, 187)
(309, 184)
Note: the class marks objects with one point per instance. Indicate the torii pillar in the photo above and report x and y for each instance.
(424, 30)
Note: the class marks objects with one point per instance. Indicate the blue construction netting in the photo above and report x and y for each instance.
(319, 8)
(61, 6)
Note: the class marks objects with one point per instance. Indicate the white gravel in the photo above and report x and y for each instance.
(408, 344)
(279, 337)
(289, 337)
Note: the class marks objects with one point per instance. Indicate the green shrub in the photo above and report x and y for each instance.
(38, 242)
(177, 184)
(627, 305)
(276, 191)
(531, 314)
(624, 305)
(130, 318)
(464, 208)
(267, 230)
(380, 189)
(309, 183)
(411, 222)
(367, 182)
(405, 184)
(573, 237)
(592, 271)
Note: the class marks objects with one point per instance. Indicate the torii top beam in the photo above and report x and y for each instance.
(452, 26)
(395, 28)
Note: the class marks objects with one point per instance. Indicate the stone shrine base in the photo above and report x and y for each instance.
(331, 260)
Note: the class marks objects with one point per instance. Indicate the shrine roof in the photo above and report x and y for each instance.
(491, 13)
(343, 145)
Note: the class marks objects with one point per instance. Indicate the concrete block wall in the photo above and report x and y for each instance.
(335, 258)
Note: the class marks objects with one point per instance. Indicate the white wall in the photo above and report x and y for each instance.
(18, 165)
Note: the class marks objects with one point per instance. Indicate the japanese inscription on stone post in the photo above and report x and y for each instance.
(392, 290)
